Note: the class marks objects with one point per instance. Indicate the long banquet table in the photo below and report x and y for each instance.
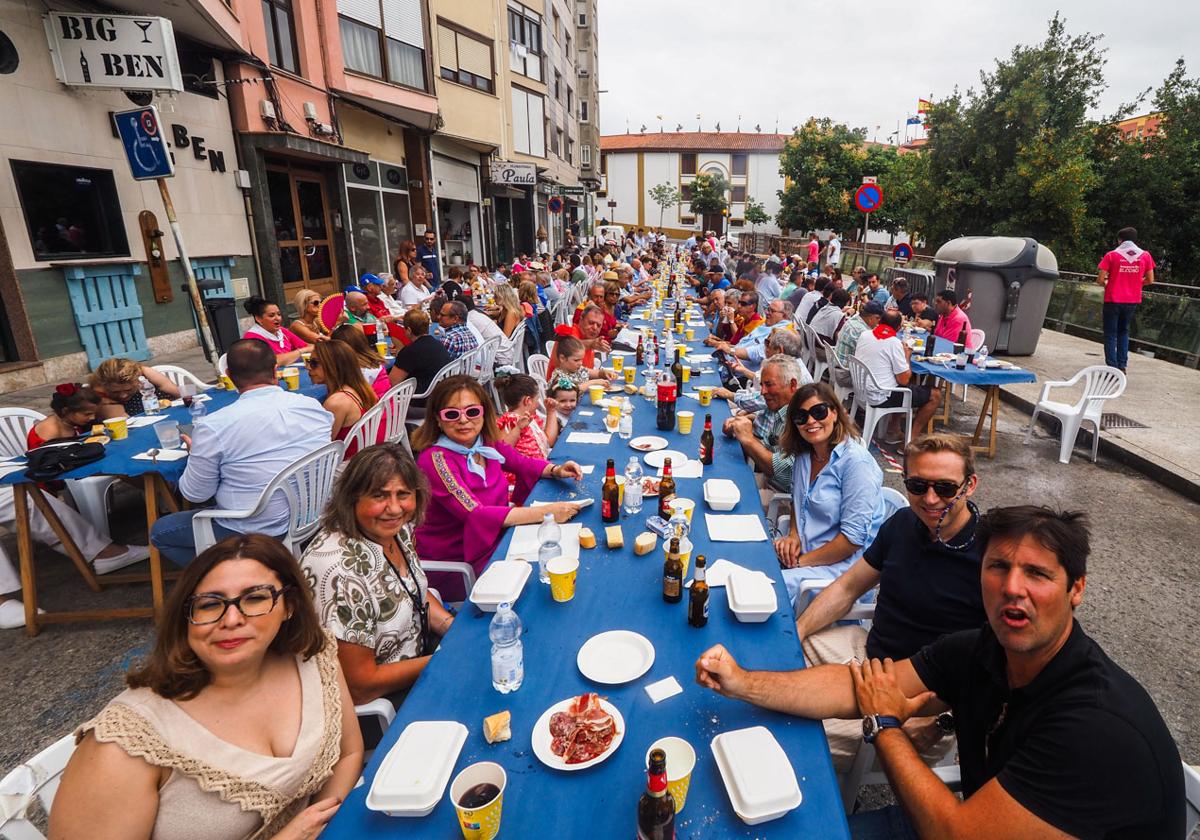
(616, 590)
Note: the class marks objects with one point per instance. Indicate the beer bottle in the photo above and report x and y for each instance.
(641, 350)
(698, 597)
(656, 808)
(677, 366)
(707, 441)
(666, 491)
(610, 493)
(673, 574)
(960, 348)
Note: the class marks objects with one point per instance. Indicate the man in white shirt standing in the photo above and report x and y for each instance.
(833, 251)
(886, 356)
(237, 451)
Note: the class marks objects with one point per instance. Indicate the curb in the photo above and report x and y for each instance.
(1156, 472)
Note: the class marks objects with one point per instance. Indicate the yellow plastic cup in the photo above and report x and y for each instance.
(685, 421)
(679, 327)
(630, 375)
(562, 571)
(482, 823)
(620, 489)
(381, 348)
(706, 394)
(596, 392)
(687, 373)
(668, 323)
(681, 761)
(685, 505)
(689, 334)
(685, 554)
(117, 427)
(292, 377)
(228, 383)
(618, 363)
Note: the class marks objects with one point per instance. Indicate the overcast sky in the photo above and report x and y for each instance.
(864, 63)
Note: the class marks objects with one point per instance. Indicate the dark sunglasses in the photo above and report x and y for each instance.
(311, 363)
(920, 486)
(818, 412)
(747, 303)
(471, 412)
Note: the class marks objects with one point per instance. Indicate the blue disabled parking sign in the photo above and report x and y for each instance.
(145, 146)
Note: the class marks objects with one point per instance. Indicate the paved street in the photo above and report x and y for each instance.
(1140, 602)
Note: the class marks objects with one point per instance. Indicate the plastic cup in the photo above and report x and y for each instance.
(482, 823)
(562, 571)
(614, 408)
(117, 427)
(681, 761)
(689, 334)
(706, 394)
(679, 327)
(685, 421)
(228, 383)
(685, 505)
(596, 392)
(291, 376)
(668, 322)
(687, 373)
(620, 489)
(685, 554)
(167, 432)
(630, 375)
(381, 348)
(618, 363)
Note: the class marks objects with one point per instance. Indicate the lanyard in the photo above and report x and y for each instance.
(420, 607)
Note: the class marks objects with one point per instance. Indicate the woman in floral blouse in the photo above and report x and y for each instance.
(366, 577)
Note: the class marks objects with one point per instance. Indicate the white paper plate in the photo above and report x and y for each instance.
(615, 657)
(541, 737)
(648, 443)
(655, 459)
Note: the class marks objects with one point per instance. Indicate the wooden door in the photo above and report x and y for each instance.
(303, 233)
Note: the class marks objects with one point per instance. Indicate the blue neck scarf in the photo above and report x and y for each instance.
(488, 452)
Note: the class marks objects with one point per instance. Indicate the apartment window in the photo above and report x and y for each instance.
(583, 110)
(71, 213)
(737, 222)
(603, 164)
(465, 59)
(556, 141)
(583, 18)
(685, 192)
(281, 34)
(384, 39)
(570, 150)
(738, 164)
(687, 220)
(566, 43)
(557, 26)
(529, 115)
(585, 154)
(570, 100)
(687, 163)
(557, 84)
(525, 42)
(738, 194)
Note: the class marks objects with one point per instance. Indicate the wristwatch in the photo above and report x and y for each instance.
(874, 724)
(945, 723)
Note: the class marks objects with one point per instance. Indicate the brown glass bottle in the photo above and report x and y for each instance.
(677, 366)
(641, 351)
(610, 495)
(707, 441)
(673, 574)
(698, 596)
(666, 491)
(656, 808)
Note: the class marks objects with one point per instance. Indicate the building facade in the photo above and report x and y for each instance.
(632, 164)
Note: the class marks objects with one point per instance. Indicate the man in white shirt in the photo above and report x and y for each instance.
(886, 356)
(483, 327)
(810, 300)
(833, 250)
(237, 451)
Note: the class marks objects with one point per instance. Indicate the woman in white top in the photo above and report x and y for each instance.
(239, 725)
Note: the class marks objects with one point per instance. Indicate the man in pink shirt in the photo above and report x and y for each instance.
(1123, 272)
(951, 318)
(814, 250)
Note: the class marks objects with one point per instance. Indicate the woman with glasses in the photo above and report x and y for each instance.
(837, 506)
(370, 363)
(308, 324)
(464, 458)
(238, 724)
(334, 365)
(366, 576)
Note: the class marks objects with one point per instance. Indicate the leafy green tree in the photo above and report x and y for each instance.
(756, 213)
(708, 193)
(664, 195)
(822, 164)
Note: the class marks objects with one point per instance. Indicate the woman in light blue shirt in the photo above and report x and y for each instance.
(837, 506)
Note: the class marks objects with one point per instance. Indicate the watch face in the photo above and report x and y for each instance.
(868, 727)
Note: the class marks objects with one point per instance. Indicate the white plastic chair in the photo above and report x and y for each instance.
(453, 566)
(181, 376)
(396, 402)
(89, 494)
(365, 432)
(1191, 791)
(483, 360)
(538, 365)
(416, 413)
(223, 365)
(36, 778)
(512, 347)
(865, 383)
(976, 339)
(845, 393)
(381, 709)
(1100, 383)
(306, 483)
(820, 347)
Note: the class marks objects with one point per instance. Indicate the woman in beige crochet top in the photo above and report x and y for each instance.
(239, 725)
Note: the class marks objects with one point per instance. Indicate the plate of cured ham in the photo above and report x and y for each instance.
(578, 732)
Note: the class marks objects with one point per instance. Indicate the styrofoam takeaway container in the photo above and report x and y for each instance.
(758, 777)
(751, 596)
(413, 776)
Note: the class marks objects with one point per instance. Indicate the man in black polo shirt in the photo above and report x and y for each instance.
(1055, 740)
(925, 560)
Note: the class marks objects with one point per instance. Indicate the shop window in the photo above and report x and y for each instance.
(738, 164)
(380, 217)
(525, 42)
(687, 220)
(384, 39)
(737, 222)
(529, 115)
(687, 163)
(70, 212)
(281, 34)
(464, 59)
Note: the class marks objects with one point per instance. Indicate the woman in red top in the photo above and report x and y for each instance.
(268, 327)
(334, 365)
(74, 408)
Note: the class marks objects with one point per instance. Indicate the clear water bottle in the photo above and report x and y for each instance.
(549, 545)
(197, 410)
(508, 654)
(633, 487)
(625, 427)
(679, 525)
(149, 396)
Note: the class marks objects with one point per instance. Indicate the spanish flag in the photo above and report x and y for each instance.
(924, 106)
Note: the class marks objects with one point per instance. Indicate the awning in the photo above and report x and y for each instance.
(305, 147)
(504, 191)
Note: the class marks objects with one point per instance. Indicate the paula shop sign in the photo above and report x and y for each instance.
(518, 174)
(118, 51)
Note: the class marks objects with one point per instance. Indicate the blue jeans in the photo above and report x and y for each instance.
(172, 536)
(889, 823)
(1118, 318)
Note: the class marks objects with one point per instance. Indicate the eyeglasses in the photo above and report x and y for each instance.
(311, 363)
(471, 412)
(747, 303)
(209, 609)
(818, 412)
(944, 488)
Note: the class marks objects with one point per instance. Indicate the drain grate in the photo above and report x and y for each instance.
(1120, 421)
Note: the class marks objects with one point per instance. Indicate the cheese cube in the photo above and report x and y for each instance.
(614, 537)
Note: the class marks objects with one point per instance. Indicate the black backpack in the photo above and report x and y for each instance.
(53, 459)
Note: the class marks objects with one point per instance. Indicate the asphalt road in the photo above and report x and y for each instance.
(1140, 602)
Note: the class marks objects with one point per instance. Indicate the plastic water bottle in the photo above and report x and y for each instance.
(508, 654)
(981, 357)
(149, 396)
(197, 410)
(625, 427)
(549, 545)
(633, 487)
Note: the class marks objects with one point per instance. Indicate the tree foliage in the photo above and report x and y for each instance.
(708, 193)
(664, 195)
(756, 213)
(822, 164)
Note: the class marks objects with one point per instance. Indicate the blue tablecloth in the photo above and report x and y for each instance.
(616, 590)
(971, 375)
(119, 454)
